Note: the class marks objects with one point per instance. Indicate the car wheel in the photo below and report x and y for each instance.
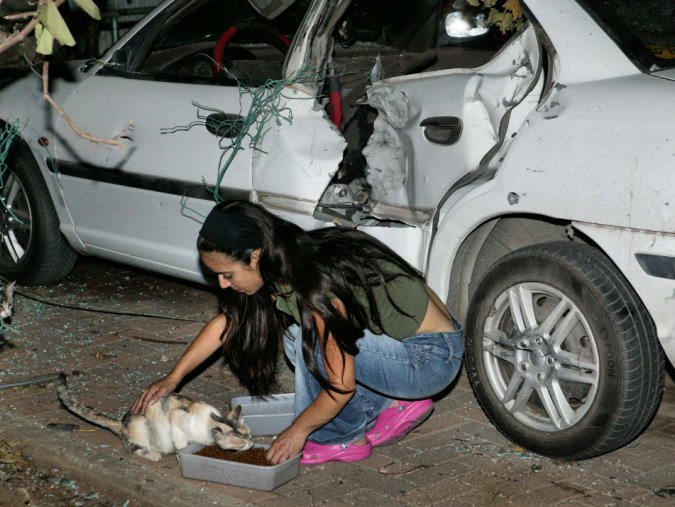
(32, 249)
(561, 353)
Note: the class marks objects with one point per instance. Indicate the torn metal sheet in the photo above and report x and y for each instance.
(402, 151)
(386, 152)
(299, 158)
(311, 47)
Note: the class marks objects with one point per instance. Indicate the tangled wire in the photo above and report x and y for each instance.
(7, 135)
(266, 104)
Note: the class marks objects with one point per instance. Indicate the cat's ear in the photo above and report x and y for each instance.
(235, 413)
(216, 417)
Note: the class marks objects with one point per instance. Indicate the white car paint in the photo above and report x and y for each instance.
(594, 152)
(597, 151)
(297, 159)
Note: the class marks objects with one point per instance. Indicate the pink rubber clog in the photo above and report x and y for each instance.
(394, 423)
(317, 454)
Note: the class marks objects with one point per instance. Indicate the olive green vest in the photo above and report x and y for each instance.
(409, 294)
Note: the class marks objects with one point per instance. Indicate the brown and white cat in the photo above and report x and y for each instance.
(168, 425)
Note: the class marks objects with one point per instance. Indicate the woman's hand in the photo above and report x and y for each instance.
(154, 392)
(288, 444)
(205, 344)
(340, 370)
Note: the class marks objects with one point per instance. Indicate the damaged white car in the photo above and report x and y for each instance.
(532, 185)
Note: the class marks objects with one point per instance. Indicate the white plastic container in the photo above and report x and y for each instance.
(266, 415)
(265, 478)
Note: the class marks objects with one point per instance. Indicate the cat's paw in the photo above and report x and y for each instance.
(151, 455)
(179, 443)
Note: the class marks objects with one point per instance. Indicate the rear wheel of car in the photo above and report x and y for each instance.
(561, 353)
(32, 249)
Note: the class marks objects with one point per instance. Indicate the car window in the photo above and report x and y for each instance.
(182, 44)
(185, 46)
(252, 48)
(403, 37)
(208, 20)
(643, 29)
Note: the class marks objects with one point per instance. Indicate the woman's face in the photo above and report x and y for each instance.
(244, 278)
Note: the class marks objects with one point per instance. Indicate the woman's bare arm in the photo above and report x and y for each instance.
(325, 406)
(205, 344)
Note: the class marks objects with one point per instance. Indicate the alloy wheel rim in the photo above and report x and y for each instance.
(15, 222)
(541, 356)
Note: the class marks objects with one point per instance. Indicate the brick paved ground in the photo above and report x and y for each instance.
(455, 458)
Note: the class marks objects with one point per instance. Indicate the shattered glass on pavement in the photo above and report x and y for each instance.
(455, 454)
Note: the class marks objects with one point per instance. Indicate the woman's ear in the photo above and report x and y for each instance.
(255, 256)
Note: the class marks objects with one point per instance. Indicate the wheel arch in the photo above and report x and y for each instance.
(34, 249)
(66, 224)
(491, 240)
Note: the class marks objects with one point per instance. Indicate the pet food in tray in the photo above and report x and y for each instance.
(244, 475)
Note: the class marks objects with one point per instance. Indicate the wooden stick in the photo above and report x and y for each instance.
(18, 37)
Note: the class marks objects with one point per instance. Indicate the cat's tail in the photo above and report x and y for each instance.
(87, 413)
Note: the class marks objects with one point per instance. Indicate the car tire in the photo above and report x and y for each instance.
(32, 249)
(561, 353)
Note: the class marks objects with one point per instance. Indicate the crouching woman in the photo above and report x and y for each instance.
(369, 340)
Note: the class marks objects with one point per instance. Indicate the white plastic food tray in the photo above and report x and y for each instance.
(265, 478)
(266, 415)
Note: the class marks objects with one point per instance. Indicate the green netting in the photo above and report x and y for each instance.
(250, 127)
(7, 135)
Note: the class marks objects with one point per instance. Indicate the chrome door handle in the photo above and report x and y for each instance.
(444, 130)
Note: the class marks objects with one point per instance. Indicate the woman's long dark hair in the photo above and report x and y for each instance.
(319, 265)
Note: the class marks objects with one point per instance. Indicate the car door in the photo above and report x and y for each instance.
(435, 129)
(142, 202)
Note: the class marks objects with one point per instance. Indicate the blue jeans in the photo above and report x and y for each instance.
(386, 370)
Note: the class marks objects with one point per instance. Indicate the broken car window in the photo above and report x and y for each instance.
(220, 42)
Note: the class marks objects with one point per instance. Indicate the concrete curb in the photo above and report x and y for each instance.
(119, 477)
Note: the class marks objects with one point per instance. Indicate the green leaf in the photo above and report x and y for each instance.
(51, 19)
(514, 7)
(45, 40)
(494, 17)
(507, 22)
(89, 7)
(473, 3)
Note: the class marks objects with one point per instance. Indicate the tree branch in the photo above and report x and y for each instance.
(30, 26)
(115, 141)
(19, 15)
(17, 37)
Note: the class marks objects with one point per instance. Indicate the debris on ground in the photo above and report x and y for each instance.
(8, 455)
(116, 354)
(665, 492)
(399, 468)
(25, 484)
